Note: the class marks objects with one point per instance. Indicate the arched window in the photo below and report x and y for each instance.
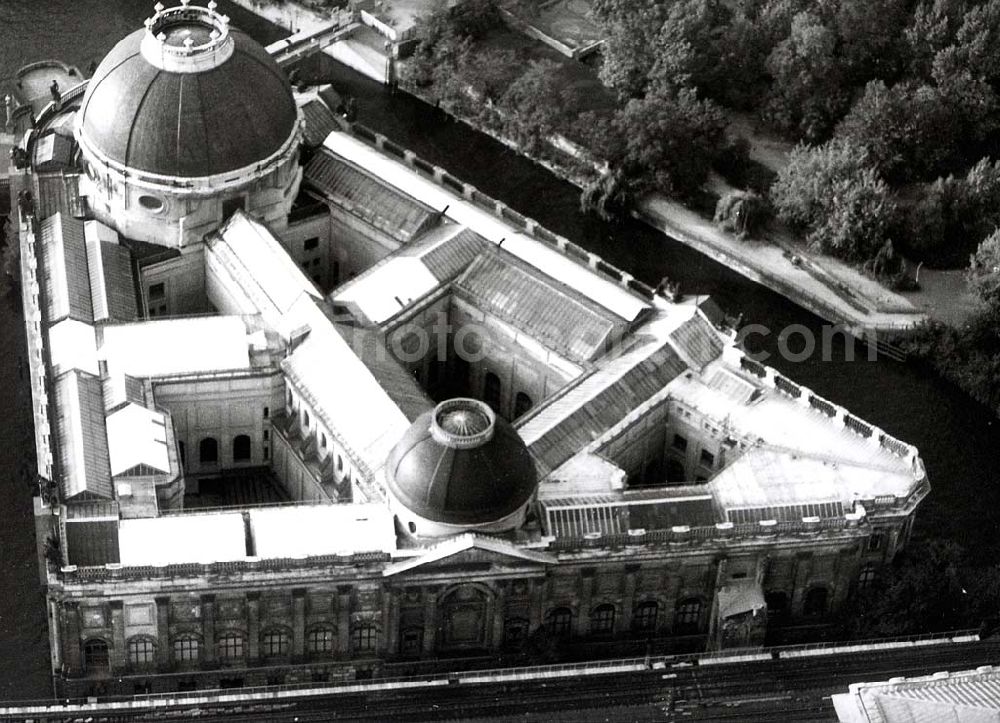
(515, 631)
(644, 617)
(322, 440)
(231, 646)
(320, 640)
(687, 617)
(364, 638)
(411, 641)
(522, 403)
(491, 391)
(241, 448)
(274, 642)
(208, 451)
(868, 575)
(602, 620)
(815, 603)
(560, 622)
(305, 419)
(141, 651)
(95, 655)
(187, 649)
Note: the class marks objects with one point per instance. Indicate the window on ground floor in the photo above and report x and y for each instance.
(644, 617)
(687, 617)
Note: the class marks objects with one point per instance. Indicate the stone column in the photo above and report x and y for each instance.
(117, 635)
(208, 628)
(69, 615)
(430, 620)
(163, 632)
(344, 619)
(298, 622)
(253, 626)
(499, 615)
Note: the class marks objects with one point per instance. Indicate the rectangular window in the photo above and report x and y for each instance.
(707, 458)
(680, 443)
(157, 291)
(310, 244)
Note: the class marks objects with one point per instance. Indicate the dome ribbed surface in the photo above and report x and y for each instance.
(456, 485)
(188, 124)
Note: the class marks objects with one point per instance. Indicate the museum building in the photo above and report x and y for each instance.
(309, 408)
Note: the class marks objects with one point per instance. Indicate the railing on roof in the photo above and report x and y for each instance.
(504, 212)
(83, 575)
(721, 531)
(798, 392)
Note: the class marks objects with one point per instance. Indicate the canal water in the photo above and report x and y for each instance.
(957, 437)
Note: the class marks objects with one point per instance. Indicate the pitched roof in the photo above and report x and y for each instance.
(65, 278)
(320, 122)
(545, 309)
(257, 263)
(468, 541)
(81, 437)
(366, 197)
(591, 405)
(112, 283)
(137, 437)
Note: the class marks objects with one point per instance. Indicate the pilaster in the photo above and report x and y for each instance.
(163, 631)
(253, 625)
(298, 622)
(208, 628)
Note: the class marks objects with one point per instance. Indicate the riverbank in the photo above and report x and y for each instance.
(826, 287)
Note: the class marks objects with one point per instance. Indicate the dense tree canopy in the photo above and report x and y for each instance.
(834, 195)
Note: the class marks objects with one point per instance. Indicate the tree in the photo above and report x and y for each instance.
(833, 193)
(807, 94)
(871, 45)
(932, 29)
(670, 142)
(532, 105)
(984, 270)
(630, 28)
(909, 130)
(951, 216)
(690, 48)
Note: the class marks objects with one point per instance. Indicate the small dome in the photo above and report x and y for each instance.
(461, 465)
(187, 96)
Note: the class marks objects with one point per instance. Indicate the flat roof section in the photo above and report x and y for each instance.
(298, 531)
(176, 346)
(179, 539)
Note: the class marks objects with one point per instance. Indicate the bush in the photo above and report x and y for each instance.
(742, 213)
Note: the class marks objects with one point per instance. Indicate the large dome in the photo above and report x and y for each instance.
(461, 465)
(187, 96)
